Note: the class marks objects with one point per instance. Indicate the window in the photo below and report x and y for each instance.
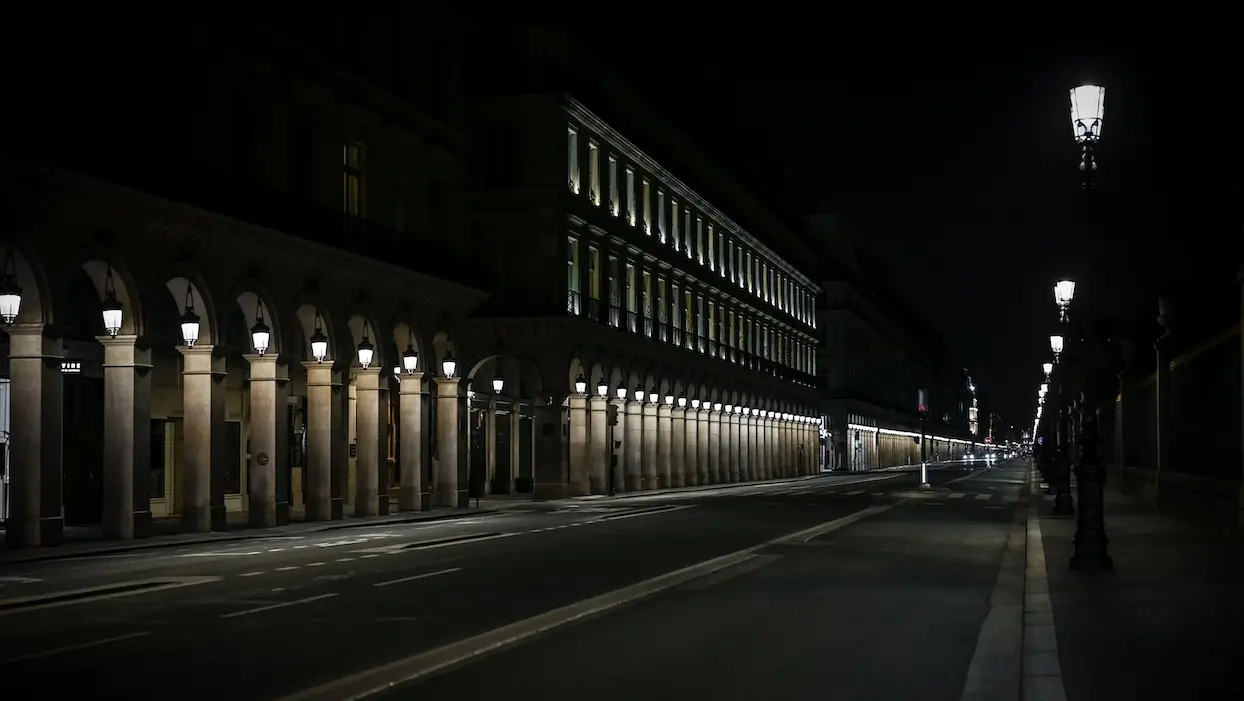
(748, 269)
(699, 240)
(572, 275)
(675, 317)
(593, 172)
(712, 320)
(593, 273)
(700, 320)
(615, 295)
(686, 227)
(354, 164)
(723, 253)
(712, 249)
(647, 304)
(730, 336)
(630, 195)
(647, 203)
(572, 159)
(661, 215)
(674, 221)
(688, 317)
(613, 186)
(631, 322)
(662, 310)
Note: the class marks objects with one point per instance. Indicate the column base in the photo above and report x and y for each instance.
(633, 484)
(282, 513)
(425, 501)
(549, 490)
(382, 505)
(580, 488)
(1063, 505)
(336, 510)
(464, 499)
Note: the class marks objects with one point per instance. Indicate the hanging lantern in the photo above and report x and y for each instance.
(580, 384)
(112, 309)
(319, 342)
(260, 333)
(497, 385)
(448, 365)
(366, 350)
(10, 291)
(189, 321)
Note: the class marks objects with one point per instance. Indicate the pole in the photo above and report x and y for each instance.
(924, 465)
(1090, 539)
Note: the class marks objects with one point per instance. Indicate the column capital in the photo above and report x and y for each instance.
(123, 340)
(367, 379)
(598, 403)
(664, 411)
(201, 360)
(410, 384)
(678, 413)
(263, 367)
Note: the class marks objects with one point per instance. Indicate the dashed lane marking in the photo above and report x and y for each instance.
(72, 648)
(283, 604)
(412, 578)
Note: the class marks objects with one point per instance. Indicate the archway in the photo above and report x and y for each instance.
(502, 390)
(98, 303)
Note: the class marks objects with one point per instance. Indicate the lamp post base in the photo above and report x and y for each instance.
(1091, 542)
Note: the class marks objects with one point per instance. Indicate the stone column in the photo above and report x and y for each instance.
(261, 473)
(410, 443)
(127, 438)
(714, 447)
(340, 443)
(598, 444)
(746, 468)
(753, 446)
(579, 483)
(619, 434)
(678, 446)
(691, 457)
(732, 448)
(702, 442)
(516, 445)
(664, 435)
(449, 491)
(632, 446)
(650, 446)
(36, 398)
(490, 447)
(319, 458)
(1240, 279)
(203, 440)
(284, 473)
(367, 439)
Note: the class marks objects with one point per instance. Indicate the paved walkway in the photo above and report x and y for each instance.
(1167, 623)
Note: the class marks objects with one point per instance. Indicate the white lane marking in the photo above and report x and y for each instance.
(996, 666)
(286, 569)
(1043, 674)
(72, 648)
(19, 580)
(226, 553)
(275, 550)
(433, 546)
(344, 559)
(984, 497)
(250, 574)
(281, 605)
(425, 575)
(855, 493)
(383, 678)
(316, 564)
(98, 593)
(368, 557)
(611, 519)
(958, 495)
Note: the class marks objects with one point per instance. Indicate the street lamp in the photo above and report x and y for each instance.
(621, 391)
(366, 350)
(10, 291)
(112, 309)
(652, 396)
(602, 388)
(261, 334)
(717, 406)
(1047, 368)
(669, 400)
(580, 384)
(497, 385)
(1088, 109)
(638, 394)
(410, 359)
(1056, 345)
(729, 408)
(319, 342)
(1064, 290)
(682, 402)
(695, 404)
(189, 321)
(448, 365)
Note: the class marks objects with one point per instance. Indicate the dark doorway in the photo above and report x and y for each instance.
(479, 451)
(83, 487)
(233, 457)
(502, 479)
(524, 484)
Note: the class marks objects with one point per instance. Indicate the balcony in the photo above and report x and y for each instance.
(658, 330)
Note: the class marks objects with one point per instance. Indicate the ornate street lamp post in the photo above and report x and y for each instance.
(1088, 109)
(1061, 459)
(1091, 543)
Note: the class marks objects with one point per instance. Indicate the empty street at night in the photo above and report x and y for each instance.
(337, 603)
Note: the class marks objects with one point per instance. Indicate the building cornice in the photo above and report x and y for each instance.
(590, 120)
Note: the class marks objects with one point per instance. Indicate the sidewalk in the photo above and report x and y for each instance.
(1164, 624)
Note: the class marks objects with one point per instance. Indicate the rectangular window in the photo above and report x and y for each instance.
(741, 344)
(647, 204)
(662, 310)
(615, 295)
(748, 269)
(674, 221)
(687, 231)
(700, 320)
(630, 297)
(593, 172)
(646, 308)
(572, 275)
(661, 215)
(712, 320)
(764, 281)
(723, 253)
(712, 249)
(572, 159)
(613, 186)
(353, 162)
(593, 273)
(630, 195)
(699, 240)
(688, 317)
(730, 336)
(675, 317)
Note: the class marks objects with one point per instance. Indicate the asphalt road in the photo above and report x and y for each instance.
(888, 608)
(262, 618)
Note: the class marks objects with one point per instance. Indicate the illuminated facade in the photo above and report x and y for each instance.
(874, 362)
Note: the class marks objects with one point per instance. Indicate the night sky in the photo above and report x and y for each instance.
(955, 162)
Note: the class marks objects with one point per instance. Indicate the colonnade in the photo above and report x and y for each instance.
(668, 444)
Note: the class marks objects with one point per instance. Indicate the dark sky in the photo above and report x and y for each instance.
(956, 165)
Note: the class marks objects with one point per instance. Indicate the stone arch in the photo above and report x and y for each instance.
(679, 389)
(304, 311)
(37, 305)
(178, 280)
(360, 322)
(574, 371)
(634, 379)
(252, 298)
(406, 333)
(527, 369)
(617, 378)
(594, 378)
(96, 262)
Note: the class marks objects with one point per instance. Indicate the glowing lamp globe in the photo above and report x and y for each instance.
(1056, 344)
(1088, 110)
(190, 328)
(580, 385)
(319, 346)
(113, 316)
(10, 299)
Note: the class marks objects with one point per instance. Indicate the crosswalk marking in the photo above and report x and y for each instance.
(983, 497)
(958, 495)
